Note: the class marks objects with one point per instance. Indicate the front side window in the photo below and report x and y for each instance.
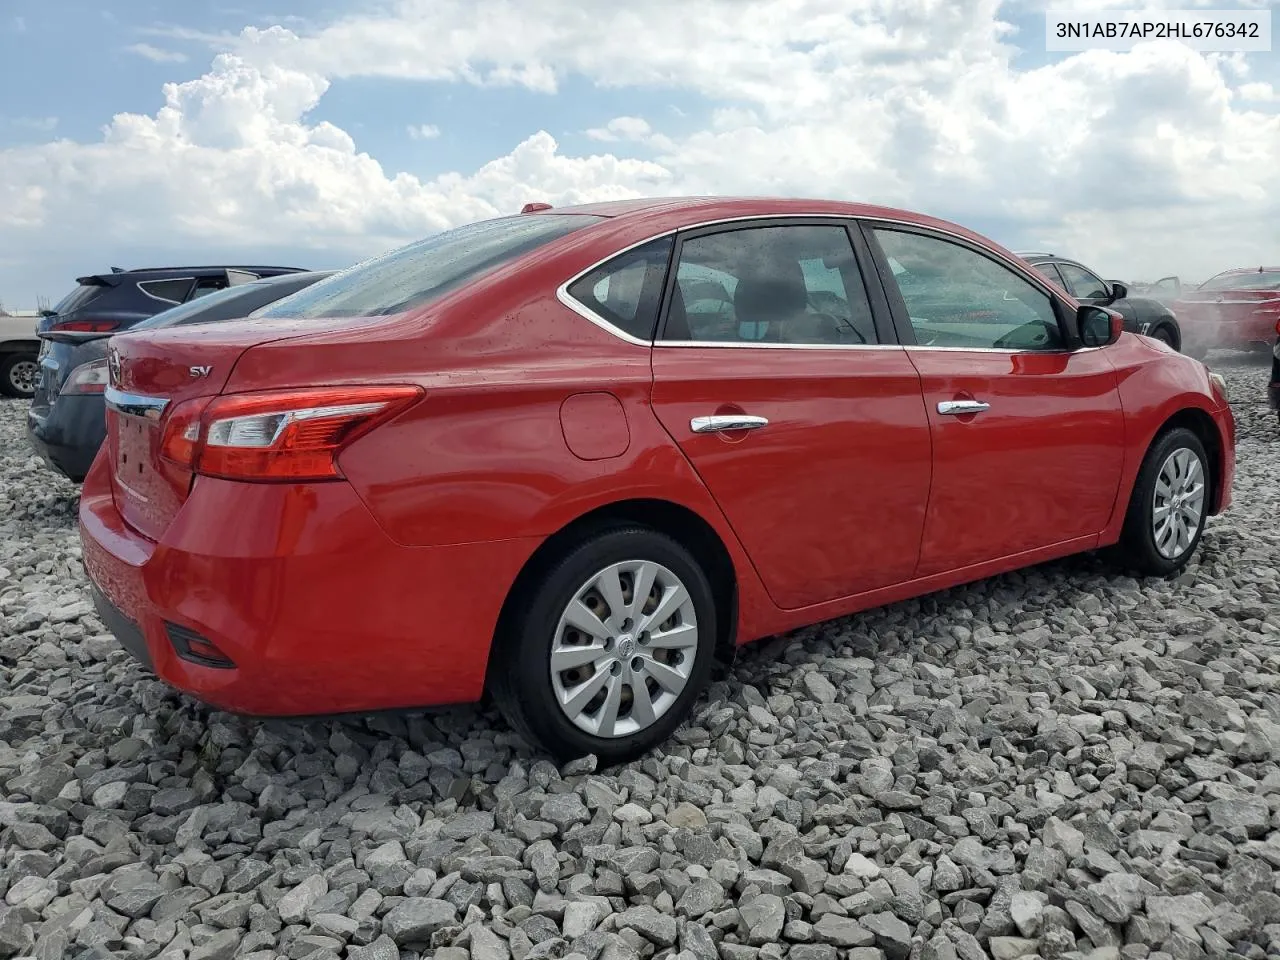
(414, 275)
(1083, 284)
(777, 284)
(627, 291)
(957, 297)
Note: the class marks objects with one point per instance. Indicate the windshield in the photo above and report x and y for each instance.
(420, 272)
(199, 305)
(1257, 280)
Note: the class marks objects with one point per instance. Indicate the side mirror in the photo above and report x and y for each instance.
(1098, 326)
(1118, 291)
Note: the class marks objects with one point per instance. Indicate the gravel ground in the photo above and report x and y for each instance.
(1057, 763)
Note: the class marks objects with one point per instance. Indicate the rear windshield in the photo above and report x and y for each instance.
(79, 297)
(412, 276)
(166, 318)
(1258, 280)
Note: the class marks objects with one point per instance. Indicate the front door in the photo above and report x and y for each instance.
(1028, 435)
(804, 422)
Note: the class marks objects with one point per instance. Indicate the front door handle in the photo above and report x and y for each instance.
(958, 408)
(721, 423)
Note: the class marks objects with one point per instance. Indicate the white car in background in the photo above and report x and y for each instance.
(19, 353)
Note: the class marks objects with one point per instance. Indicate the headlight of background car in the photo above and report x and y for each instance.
(1219, 381)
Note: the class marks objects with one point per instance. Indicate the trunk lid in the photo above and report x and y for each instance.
(156, 372)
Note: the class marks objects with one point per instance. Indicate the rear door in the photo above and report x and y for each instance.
(776, 372)
(1028, 433)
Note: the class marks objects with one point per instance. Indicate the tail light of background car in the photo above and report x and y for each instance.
(87, 378)
(85, 326)
(288, 435)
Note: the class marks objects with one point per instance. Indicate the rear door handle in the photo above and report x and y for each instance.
(957, 408)
(723, 422)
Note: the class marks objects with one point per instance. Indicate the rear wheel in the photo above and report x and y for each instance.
(608, 649)
(1166, 335)
(18, 375)
(1169, 506)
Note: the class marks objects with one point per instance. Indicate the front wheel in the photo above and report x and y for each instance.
(1169, 505)
(606, 652)
(18, 375)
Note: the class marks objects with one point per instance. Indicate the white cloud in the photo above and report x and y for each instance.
(19, 25)
(621, 128)
(1144, 163)
(156, 54)
(423, 131)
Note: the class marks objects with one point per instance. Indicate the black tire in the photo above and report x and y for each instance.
(1166, 334)
(1138, 549)
(520, 676)
(17, 375)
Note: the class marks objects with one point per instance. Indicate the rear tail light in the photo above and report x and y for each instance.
(85, 326)
(285, 435)
(85, 379)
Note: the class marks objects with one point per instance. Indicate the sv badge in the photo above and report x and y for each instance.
(200, 371)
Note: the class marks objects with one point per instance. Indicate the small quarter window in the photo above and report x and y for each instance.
(174, 291)
(627, 290)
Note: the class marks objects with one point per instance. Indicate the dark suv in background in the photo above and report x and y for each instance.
(1144, 315)
(66, 422)
(107, 303)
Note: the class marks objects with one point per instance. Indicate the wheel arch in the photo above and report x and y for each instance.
(684, 525)
(1201, 424)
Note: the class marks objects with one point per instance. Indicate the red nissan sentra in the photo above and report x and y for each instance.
(571, 455)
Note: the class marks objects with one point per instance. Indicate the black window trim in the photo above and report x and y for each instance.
(898, 307)
(140, 284)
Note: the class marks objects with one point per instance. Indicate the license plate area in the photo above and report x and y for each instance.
(133, 441)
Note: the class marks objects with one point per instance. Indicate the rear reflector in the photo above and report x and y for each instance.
(192, 647)
(285, 435)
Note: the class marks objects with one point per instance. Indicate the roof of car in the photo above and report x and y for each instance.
(1236, 270)
(677, 212)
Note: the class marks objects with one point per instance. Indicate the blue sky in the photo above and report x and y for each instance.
(301, 149)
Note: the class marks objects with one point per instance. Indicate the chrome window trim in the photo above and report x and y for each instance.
(140, 284)
(1018, 266)
(749, 345)
(135, 404)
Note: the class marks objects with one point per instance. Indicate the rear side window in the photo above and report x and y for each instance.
(413, 276)
(175, 291)
(627, 291)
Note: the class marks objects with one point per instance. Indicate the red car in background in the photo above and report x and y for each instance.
(570, 456)
(1236, 310)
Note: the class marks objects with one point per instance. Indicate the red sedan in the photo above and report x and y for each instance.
(570, 456)
(1237, 310)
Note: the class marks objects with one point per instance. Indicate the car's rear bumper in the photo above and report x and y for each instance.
(317, 609)
(67, 435)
